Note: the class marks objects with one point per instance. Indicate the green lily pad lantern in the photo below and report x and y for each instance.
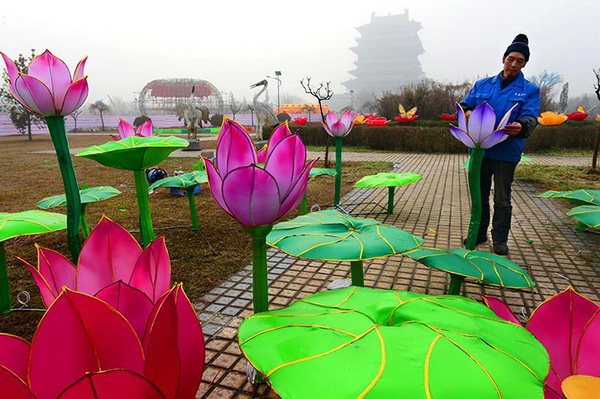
(389, 180)
(366, 343)
(188, 181)
(483, 267)
(332, 235)
(586, 216)
(88, 196)
(575, 197)
(20, 224)
(136, 153)
(314, 172)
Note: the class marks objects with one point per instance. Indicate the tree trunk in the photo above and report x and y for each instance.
(596, 146)
(29, 137)
(328, 137)
(102, 120)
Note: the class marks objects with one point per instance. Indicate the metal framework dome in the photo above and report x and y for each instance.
(161, 96)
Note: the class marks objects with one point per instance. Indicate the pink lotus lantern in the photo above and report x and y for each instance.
(146, 129)
(257, 189)
(110, 254)
(86, 349)
(568, 325)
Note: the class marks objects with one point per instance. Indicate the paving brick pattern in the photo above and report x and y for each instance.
(542, 239)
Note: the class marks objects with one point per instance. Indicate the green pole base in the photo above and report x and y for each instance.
(390, 207)
(193, 211)
(580, 226)
(455, 284)
(304, 205)
(145, 219)
(260, 282)
(356, 270)
(5, 297)
(338, 170)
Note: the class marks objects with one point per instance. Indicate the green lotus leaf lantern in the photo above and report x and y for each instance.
(575, 197)
(21, 224)
(366, 343)
(483, 267)
(87, 195)
(136, 153)
(314, 172)
(332, 235)
(389, 180)
(586, 216)
(189, 182)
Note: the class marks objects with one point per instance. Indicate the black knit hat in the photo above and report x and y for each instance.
(519, 44)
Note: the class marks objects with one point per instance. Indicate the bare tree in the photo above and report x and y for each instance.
(547, 81)
(75, 114)
(234, 105)
(321, 93)
(597, 141)
(100, 108)
(564, 98)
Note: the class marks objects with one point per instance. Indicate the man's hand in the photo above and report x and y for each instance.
(512, 129)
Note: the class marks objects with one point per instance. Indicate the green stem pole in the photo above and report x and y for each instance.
(338, 170)
(193, 211)
(141, 189)
(5, 297)
(304, 204)
(260, 282)
(85, 226)
(58, 133)
(356, 270)
(390, 207)
(474, 174)
(455, 284)
(580, 226)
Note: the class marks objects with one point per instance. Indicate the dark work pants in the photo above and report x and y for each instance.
(503, 173)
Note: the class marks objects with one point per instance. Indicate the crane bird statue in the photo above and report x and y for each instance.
(264, 113)
(192, 116)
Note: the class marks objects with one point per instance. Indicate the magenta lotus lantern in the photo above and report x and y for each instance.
(146, 129)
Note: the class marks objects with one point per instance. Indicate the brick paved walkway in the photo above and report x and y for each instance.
(542, 239)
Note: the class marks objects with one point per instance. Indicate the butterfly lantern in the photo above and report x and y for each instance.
(578, 115)
(406, 116)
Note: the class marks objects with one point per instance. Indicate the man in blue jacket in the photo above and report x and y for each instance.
(503, 91)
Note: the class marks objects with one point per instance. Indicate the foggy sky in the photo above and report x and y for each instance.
(233, 44)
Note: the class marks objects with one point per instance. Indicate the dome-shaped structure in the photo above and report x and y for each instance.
(161, 96)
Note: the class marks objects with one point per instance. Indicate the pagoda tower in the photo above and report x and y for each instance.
(388, 49)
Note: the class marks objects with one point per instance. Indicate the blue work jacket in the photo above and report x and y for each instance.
(521, 92)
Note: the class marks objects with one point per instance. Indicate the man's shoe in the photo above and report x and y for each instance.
(480, 240)
(500, 248)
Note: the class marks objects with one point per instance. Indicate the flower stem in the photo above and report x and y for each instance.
(356, 270)
(455, 284)
(5, 297)
(390, 207)
(58, 133)
(260, 282)
(304, 204)
(193, 211)
(338, 169)
(85, 226)
(474, 174)
(145, 220)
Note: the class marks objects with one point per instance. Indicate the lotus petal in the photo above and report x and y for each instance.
(462, 118)
(13, 387)
(54, 73)
(35, 94)
(500, 308)
(279, 133)
(146, 129)
(11, 68)
(216, 185)
(588, 357)
(252, 196)
(174, 345)
(493, 139)
(75, 97)
(132, 303)
(234, 148)
(462, 136)
(152, 271)
(80, 334)
(481, 122)
(296, 193)
(14, 355)
(286, 163)
(125, 129)
(559, 323)
(78, 74)
(112, 384)
(107, 256)
(505, 118)
(347, 118)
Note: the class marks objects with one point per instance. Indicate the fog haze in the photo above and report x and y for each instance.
(233, 44)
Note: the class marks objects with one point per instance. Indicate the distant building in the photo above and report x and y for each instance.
(388, 49)
(300, 109)
(161, 96)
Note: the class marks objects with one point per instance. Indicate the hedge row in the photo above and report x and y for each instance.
(439, 139)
